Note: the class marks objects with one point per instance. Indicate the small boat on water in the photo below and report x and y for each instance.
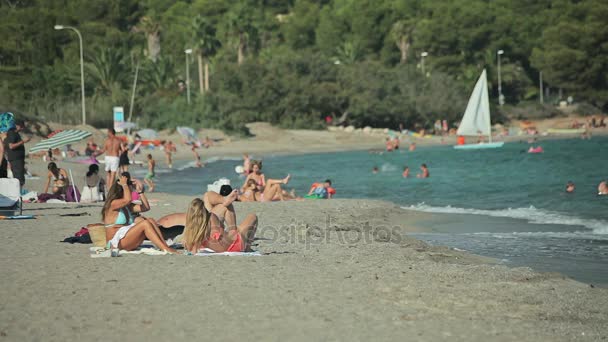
(476, 119)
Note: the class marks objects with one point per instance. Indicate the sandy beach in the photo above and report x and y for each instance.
(330, 270)
(341, 269)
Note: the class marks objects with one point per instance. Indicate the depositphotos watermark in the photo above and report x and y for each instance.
(300, 232)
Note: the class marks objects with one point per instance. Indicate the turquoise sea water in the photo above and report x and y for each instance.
(502, 203)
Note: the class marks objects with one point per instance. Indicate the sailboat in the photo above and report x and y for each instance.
(476, 119)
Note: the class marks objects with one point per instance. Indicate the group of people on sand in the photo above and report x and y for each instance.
(208, 222)
(256, 188)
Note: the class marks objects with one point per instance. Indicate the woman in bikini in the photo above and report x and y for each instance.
(270, 190)
(122, 229)
(250, 193)
(59, 177)
(205, 229)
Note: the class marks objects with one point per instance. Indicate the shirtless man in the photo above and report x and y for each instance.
(425, 172)
(112, 150)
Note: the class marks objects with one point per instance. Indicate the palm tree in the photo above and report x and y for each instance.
(158, 76)
(240, 25)
(206, 44)
(107, 68)
(401, 32)
(150, 26)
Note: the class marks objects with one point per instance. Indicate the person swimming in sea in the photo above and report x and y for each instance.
(375, 170)
(570, 187)
(406, 172)
(602, 188)
(425, 172)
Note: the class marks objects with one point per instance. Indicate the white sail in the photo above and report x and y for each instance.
(476, 119)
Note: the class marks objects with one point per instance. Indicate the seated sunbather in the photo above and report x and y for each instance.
(250, 192)
(122, 229)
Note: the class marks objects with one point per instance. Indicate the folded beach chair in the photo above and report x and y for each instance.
(10, 196)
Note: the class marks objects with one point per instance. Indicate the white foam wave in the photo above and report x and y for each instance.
(531, 214)
(215, 159)
(581, 235)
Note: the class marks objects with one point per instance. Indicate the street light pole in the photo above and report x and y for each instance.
(500, 97)
(61, 27)
(542, 101)
(422, 55)
(188, 52)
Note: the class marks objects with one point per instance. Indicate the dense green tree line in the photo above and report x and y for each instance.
(294, 62)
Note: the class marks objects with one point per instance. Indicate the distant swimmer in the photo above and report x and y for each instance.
(375, 170)
(602, 189)
(425, 172)
(413, 146)
(406, 172)
(570, 187)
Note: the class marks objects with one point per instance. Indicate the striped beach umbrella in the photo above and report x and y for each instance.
(60, 139)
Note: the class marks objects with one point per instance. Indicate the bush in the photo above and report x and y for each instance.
(530, 111)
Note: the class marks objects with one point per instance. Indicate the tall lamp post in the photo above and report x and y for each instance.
(422, 55)
(501, 98)
(542, 101)
(188, 52)
(62, 27)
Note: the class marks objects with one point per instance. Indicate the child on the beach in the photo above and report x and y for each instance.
(150, 175)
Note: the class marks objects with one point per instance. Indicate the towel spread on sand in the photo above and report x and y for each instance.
(101, 252)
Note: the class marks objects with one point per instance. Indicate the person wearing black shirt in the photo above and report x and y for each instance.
(14, 150)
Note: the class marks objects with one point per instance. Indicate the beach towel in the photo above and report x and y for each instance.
(100, 252)
(72, 194)
(17, 217)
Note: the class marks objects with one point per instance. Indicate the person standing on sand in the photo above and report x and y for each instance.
(14, 148)
(112, 150)
(389, 145)
(246, 163)
(425, 172)
(3, 162)
(197, 157)
(123, 160)
(168, 153)
(150, 175)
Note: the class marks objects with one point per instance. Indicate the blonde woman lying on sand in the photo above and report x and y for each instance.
(123, 230)
(204, 225)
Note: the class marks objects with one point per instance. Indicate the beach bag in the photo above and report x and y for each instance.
(97, 235)
(90, 194)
